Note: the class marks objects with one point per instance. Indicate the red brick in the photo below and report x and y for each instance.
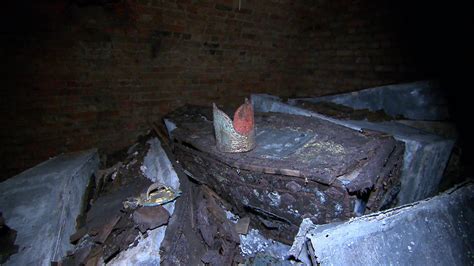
(98, 79)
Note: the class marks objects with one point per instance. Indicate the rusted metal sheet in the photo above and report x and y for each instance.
(300, 168)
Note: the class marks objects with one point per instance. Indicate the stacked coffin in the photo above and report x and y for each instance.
(301, 167)
(420, 104)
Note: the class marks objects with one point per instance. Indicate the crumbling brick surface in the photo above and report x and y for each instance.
(81, 74)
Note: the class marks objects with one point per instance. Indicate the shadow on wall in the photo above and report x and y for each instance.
(437, 34)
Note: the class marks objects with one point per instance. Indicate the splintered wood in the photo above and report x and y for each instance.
(301, 168)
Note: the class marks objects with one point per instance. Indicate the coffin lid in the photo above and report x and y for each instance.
(292, 145)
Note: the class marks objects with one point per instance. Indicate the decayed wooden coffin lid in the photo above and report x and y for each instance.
(292, 145)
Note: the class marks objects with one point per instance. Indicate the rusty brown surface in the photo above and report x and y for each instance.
(258, 194)
(332, 150)
(108, 229)
(148, 218)
(187, 242)
(320, 179)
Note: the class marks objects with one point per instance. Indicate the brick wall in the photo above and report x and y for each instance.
(93, 73)
(348, 45)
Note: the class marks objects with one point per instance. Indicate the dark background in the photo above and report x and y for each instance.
(94, 73)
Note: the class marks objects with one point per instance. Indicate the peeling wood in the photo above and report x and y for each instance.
(301, 168)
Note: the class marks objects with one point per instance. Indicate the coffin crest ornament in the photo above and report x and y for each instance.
(236, 136)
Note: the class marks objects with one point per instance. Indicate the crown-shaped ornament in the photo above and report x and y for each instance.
(236, 136)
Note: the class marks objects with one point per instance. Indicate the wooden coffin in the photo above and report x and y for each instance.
(301, 167)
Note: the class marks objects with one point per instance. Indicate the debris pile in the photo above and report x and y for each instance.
(143, 211)
(107, 227)
(264, 189)
(300, 168)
